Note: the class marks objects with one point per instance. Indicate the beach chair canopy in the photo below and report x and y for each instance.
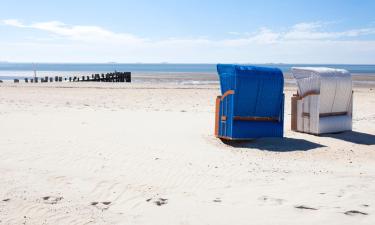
(324, 101)
(333, 85)
(257, 92)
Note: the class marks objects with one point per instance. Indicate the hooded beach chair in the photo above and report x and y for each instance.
(324, 101)
(251, 104)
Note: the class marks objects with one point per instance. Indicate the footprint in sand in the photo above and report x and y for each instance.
(304, 207)
(355, 212)
(270, 200)
(217, 200)
(159, 201)
(51, 199)
(101, 205)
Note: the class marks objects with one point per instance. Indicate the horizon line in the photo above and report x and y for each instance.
(187, 63)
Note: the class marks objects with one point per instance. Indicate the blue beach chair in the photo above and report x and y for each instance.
(252, 102)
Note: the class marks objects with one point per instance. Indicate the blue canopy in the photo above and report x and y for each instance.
(252, 103)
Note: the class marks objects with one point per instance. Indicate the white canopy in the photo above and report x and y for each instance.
(333, 85)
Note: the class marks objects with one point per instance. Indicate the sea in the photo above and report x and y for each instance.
(142, 72)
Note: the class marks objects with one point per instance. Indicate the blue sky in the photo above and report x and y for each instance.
(188, 31)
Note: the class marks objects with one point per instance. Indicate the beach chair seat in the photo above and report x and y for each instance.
(251, 104)
(324, 100)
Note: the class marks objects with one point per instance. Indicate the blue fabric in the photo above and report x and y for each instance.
(258, 93)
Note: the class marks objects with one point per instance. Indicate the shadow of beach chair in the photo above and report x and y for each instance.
(353, 137)
(252, 102)
(276, 144)
(324, 101)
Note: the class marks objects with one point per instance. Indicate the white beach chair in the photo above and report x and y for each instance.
(324, 102)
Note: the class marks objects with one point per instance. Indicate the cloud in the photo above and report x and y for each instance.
(300, 43)
(13, 22)
(313, 31)
(79, 33)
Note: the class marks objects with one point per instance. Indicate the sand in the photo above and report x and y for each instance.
(145, 154)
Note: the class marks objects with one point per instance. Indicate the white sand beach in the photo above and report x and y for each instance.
(79, 153)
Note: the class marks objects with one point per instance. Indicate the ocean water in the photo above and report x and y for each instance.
(180, 73)
(140, 67)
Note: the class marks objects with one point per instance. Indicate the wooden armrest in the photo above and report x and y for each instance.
(309, 93)
(326, 114)
(227, 93)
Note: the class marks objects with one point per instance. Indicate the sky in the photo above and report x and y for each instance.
(188, 31)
